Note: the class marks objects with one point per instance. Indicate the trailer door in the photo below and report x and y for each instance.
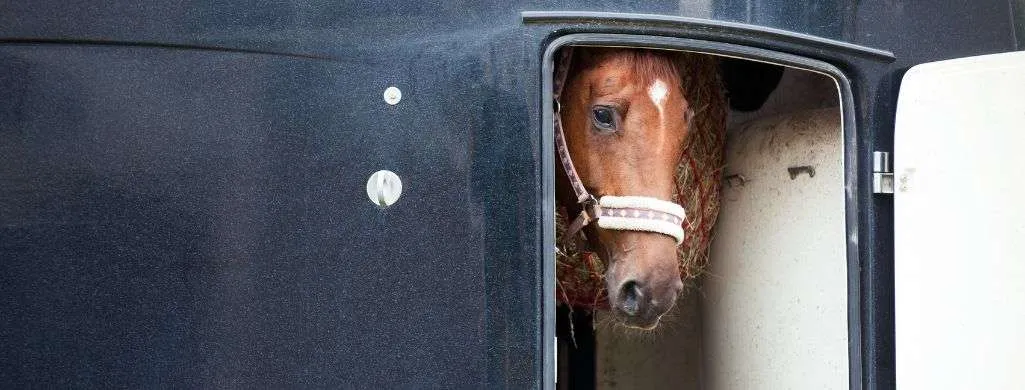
(959, 154)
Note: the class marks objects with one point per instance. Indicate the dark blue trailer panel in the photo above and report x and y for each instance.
(182, 185)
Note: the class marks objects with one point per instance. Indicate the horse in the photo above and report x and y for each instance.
(621, 121)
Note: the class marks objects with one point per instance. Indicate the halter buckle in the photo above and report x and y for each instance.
(592, 206)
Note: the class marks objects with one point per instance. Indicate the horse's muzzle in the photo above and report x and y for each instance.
(638, 305)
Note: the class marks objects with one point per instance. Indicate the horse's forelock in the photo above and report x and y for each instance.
(649, 65)
(653, 65)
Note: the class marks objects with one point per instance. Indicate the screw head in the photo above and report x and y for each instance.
(392, 95)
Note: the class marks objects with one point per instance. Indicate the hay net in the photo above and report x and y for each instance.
(580, 275)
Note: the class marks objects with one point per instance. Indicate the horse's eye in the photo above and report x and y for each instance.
(604, 118)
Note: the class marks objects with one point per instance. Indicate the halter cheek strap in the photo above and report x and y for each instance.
(636, 213)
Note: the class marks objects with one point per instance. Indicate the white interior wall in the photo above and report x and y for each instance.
(774, 307)
(772, 311)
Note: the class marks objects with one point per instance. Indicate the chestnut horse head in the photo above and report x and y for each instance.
(624, 119)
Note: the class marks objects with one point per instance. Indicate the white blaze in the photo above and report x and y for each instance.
(658, 91)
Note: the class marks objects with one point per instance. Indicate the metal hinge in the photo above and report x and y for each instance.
(882, 173)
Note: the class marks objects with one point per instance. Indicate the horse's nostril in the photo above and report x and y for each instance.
(630, 298)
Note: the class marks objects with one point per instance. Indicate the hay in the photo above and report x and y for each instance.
(580, 275)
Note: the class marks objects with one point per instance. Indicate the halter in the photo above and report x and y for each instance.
(636, 213)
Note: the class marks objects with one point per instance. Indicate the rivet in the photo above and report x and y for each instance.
(392, 95)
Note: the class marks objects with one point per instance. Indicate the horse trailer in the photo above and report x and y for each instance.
(293, 194)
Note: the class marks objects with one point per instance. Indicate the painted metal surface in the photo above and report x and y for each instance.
(960, 257)
(200, 218)
(182, 184)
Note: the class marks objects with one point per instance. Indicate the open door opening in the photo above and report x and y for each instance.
(771, 307)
